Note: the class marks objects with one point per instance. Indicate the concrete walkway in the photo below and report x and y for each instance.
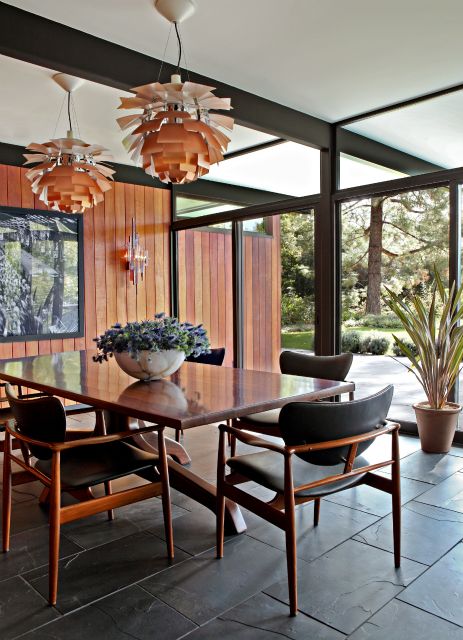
(371, 373)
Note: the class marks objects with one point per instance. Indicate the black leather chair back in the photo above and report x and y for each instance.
(40, 418)
(310, 422)
(327, 367)
(216, 356)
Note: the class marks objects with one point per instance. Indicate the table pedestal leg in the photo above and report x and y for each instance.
(181, 479)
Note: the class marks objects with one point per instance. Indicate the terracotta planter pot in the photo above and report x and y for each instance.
(436, 427)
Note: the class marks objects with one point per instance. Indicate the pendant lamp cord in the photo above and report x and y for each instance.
(179, 42)
(69, 110)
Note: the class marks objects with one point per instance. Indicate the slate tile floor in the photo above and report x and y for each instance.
(115, 582)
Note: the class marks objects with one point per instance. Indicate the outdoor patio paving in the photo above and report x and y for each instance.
(115, 582)
(372, 373)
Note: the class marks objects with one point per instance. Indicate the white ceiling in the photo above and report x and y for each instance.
(328, 58)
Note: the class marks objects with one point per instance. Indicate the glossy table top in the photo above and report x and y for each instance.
(196, 394)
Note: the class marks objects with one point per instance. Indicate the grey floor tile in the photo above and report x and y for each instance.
(457, 450)
(400, 621)
(96, 530)
(348, 584)
(380, 449)
(21, 608)
(27, 515)
(194, 532)
(29, 549)
(439, 590)
(263, 618)
(104, 569)
(427, 532)
(204, 587)
(130, 613)
(430, 467)
(376, 502)
(337, 524)
(448, 494)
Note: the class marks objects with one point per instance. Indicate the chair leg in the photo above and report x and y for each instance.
(108, 492)
(44, 497)
(54, 525)
(316, 512)
(220, 527)
(6, 513)
(290, 535)
(178, 432)
(232, 446)
(166, 503)
(396, 506)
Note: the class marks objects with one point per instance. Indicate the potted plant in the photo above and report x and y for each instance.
(152, 349)
(435, 355)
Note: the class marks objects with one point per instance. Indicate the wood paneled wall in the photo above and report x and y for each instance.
(262, 299)
(206, 293)
(109, 295)
(205, 285)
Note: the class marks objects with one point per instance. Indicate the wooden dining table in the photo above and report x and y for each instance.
(197, 394)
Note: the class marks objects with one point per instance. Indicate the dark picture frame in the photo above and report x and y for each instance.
(40, 269)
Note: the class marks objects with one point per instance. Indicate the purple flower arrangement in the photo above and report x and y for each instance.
(162, 333)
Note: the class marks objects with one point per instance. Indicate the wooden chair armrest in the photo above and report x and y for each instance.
(389, 427)
(82, 442)
(102, 439)
(253, 441)
(11, 428)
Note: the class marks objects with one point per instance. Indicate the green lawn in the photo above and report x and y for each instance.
(304, 339)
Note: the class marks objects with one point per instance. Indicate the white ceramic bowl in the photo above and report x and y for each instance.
(150, 365)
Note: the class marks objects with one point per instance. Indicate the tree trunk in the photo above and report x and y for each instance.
(58, 281)
(375, 249)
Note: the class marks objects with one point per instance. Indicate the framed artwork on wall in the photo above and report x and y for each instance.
(41, 275)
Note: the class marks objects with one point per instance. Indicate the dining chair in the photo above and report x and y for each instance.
(296, 364)
(323, 449)
(214, 357)
(6, 415)
(75, 466)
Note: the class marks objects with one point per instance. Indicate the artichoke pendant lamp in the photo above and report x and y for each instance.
(69, 176)
(178, 135)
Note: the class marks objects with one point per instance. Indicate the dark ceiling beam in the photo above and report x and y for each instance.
(253, 149)
(222, 192)
(28, 37)
(359, 146)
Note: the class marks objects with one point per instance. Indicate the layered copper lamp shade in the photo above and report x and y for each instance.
(176, 137)
(69, 175)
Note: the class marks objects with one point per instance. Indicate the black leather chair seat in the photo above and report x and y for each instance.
(267, 418)
(267, 469)
(91, 465)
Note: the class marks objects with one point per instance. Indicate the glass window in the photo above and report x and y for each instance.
(355, 171)
(394, 241)
(187, 207)
(287, 168)
(279, 297)
(429, 134)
